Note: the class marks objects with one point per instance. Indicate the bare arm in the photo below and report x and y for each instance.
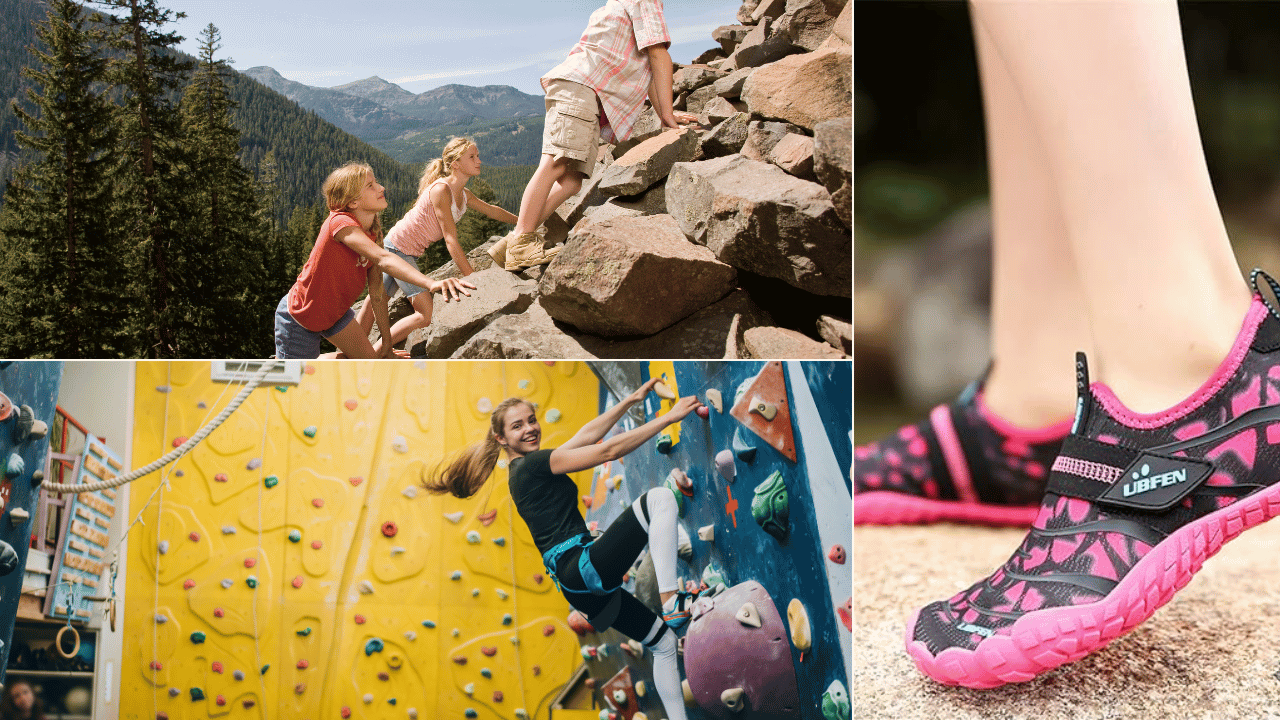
(592, 432)
(572, 459)
(660, 87)
(378, 299)
(393, 265)
(441, 198)
(493, 211)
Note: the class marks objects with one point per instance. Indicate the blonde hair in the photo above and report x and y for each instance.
(466, 473)
(443, 165)
(344, 185)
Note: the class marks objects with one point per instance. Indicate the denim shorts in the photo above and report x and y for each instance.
(294, 342)
(572, 128)
(389, 283)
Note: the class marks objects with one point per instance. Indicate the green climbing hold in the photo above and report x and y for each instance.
(282, 388)
(506, 619)
(470, 713)
(835, 702)
(197, 637)
(391, 700)
(770, 506)
(196, 694)
(713, 575)
(664, 443)
(264, 669)
(374, 645)
(304, 632)
(309, 431)
(428, 623)
(295, 536)
(500, 541)
(251, 581)
(271, 481)
(486, 672)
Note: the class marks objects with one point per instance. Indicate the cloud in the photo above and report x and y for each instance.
(551, 56)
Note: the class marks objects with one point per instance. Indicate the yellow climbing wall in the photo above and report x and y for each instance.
(311, 494)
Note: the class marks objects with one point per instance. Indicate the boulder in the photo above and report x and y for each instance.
(531, 334)
(719, 109)
(572, 210)
(652, 202)
(794, 153)
(804, 89)
(730, 86)
(709, 56)
(727, 137)
(692, 77)
(699, 98)
(763, 135)
(838, 333)
(729, 36)
(497, 293)
(841, 37)
(760, 47)
(631, 276)
(775, 343)
(756, 217)
(647, 125)
(833, 163)
(649, 162)
(608, 211)
(713, 332)
(807, 23)
(746, 11)
(477, 256)
(768, 9)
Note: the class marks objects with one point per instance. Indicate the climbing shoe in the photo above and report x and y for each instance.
(677, 609)
(1134, 506)
(527, 250)
(961, 464)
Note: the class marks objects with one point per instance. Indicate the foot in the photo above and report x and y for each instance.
(677, 609)
(1135, 505)
(961, 464)
(499, 252)
(527, 250)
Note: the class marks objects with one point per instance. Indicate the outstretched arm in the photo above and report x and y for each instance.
(660, 87)
(396, 267)
(493, 211)
(591, 433)
(572, 459)
(441, 198)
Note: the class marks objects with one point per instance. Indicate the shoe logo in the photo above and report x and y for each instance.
(984, 632)
(1156, 482)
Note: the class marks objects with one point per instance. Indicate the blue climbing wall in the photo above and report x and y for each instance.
(34, 384)
(820, 402)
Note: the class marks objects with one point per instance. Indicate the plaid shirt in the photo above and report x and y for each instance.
(611, 59)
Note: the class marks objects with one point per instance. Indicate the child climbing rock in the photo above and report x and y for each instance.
(598, 91)
(589, 571)
(443, 198)
(346, 257)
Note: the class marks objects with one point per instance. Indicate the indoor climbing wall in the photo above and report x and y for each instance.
(765, 500)
(291, 566)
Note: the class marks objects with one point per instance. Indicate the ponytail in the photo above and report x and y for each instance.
(463, 476)
(443, 165)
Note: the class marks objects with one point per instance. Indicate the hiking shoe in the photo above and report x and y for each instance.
(961, 464)
(528, 250)
(677, 609)
(499, 252)
(1134, 506)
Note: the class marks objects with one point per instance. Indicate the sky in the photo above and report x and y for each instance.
(423, 44)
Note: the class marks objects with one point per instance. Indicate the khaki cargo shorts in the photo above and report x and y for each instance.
(572, 128)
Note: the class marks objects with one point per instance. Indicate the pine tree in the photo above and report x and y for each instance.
(223, 313)
(66, 288)
(152, 187)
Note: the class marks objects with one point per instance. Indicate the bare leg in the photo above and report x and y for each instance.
(1161, 287)
(566, 187)
(1036, 320)
(421, 317)
(353, 341)
(536, 193)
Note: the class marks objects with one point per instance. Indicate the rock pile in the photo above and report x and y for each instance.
(698, 243)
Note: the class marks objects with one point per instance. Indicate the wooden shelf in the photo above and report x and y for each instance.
(50, 673)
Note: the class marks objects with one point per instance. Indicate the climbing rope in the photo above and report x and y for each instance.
(181, 450)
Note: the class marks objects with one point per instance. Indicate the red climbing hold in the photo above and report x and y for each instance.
(590, 682)
(220, 700)
(310, 370)
(219, 612)
(588, 501)
(489, 650)
(194, 537)
(179, 440)
(389, 529)
(846, 614)
(317, 502)
(548, 630)
(316, 544)
(836, 555)
(578, 623)
(538, 578)
(297, 581)
(497, 696)
(355, 481)
(216, 667)
(487, 518)
(537, 670)
(250, 562)
(188, 584)
(346, 711)
(460, 659)
(351, 404)
(703, 412)
(155, 665)
(162, 716)
(384, 676)
(220, 477)
(359, 619)
(303, 664)
(592, 651)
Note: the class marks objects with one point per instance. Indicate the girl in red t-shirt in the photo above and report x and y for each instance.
(346, 258)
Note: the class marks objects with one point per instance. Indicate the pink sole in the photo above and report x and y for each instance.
(891, 508)
(1042, 640)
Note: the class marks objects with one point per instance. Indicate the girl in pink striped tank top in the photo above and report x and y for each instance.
(442, 200)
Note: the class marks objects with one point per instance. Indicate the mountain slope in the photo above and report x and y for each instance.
(357, 115)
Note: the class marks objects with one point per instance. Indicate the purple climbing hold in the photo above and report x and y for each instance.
(725, 466)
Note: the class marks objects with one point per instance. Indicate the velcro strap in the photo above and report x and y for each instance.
(1114, 476)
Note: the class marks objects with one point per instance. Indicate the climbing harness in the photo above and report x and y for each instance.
(595, 586)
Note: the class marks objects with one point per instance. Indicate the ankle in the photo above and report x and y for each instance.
(1026, 406)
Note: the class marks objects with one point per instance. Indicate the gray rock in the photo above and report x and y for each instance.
(699, 98)
(729, 36)
(763, 135)
(720, 109)
(652, 202)
(838, 333)
(833, 163)
(497, 293)
(804, 89)
(775, 343)
(589, 196)
(478, 257)
(746, 11)
(631, 276)
(648, 162)
(770, 9)
(760, 47)
(841, 37)
(757, 218)
(709, 56)
(794, 153)
(608, 211)
(727, 137)
(807, 23)
(531, 334)
(730, 86)
(692, 77)
(714, 332)
(647, 125)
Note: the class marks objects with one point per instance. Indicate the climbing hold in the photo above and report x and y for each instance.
(502, 463)
(745, 451)
(397, 550)
(763, 408)
(748, 615)
(295, 536)
(365, 587)
(588, 501)
(216, 667)
(484, 406)
(177, 442)
(316, 544)
(640, 715)
(193, 536)
(502, 594)
(770, 506)
(578, 623)
(303, 664)
(282, 388)
(845, 612)
(460, 659)
(548, 630)
(489, 650)
(537, 578)
(469, 689)
(37, 477)
(428, 623)
(500, 541)
(553, 415)
(594, 525)
(360, 619)
(374, 645)
(662, 391)
(351, 404)
(515, 639)
(455, 632)
(304, 632)
(196, 694)
(537, 670)
(410, 635)
(835, 702)
(486, 672)
(641, 689)
(161, 618)
(589, 652)
(220, 477)
(506, 619)
(399, 444)
(523, 384)
(391, 701)
(487, 518)
(475, 592)
(238, 674)
(670, 483)
(389, 529)
(410, 492)
(714, 399)
(368, 698)
(470, 713)
(346, 711)
(836, 555)
(664, 443)
(263, 670)
(522, 714)
(197, 637)
(163, 547)
(734, 699)
(309, 431)
(473, 537)
(250, 562)
(712, 575)
(228, 530)
(603, 650)
(725, 465)
(251, 581)
(682, 481)
(453, 517)
(270, 481)
(620, 697)
(798, 619)
(497, 696)
(253, 464)
(299, 688)
(703, 412)
(317, 502)
(707, 533)
(188, 584)
(633, 648)
(413, 713)
(455, 575)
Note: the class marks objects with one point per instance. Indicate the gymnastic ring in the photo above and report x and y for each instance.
(57, 642)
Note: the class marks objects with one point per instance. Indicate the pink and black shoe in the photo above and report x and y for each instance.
(1135, 505)
(962, 464)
